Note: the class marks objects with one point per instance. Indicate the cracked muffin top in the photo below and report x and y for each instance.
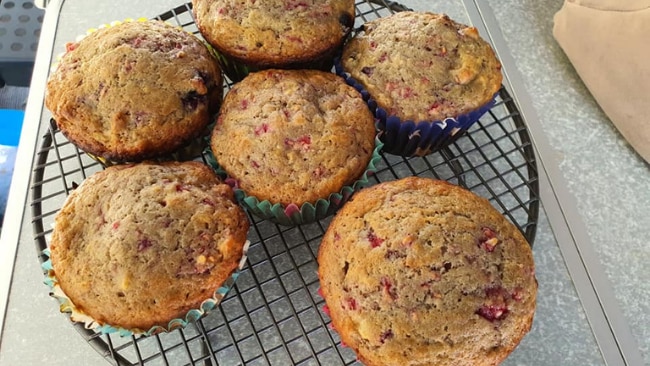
(293, 136)
(138, 245)
(135, 90)
(423, 66)
(272, 33)
(421, 272)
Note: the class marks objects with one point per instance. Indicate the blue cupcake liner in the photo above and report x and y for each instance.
(236, 71)
(67, 306)
(308, 212)
(409, 138)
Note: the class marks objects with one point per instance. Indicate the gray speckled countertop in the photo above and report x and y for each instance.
(609, 181)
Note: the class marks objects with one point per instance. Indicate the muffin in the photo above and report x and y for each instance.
(286, 138)
(135, 90)
(253, 35)
(422, 272)
(141, 247)
(427, 77)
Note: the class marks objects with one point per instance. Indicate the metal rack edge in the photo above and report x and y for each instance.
(20, 184)
(609, 326)
(33, 133)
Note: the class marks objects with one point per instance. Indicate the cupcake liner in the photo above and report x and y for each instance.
(185, 153)
(236, 70)
(409, 138)
(67, 306)
(293, 214)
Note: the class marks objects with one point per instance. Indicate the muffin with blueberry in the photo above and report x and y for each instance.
(134, 90)
(147, 247)
(427, 77)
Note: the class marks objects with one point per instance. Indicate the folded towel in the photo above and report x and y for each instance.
(607, 43)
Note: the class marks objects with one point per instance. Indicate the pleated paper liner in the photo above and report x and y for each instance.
(236, 70)
(295, 214)
(185, 153)
(188, 152)
(77, 315)
(409, 138)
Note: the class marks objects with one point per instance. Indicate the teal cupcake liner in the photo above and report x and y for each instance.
(293, 214)
(67, 306)
(236, 70)
(188, 152)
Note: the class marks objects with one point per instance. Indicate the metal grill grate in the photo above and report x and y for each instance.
(273, 314)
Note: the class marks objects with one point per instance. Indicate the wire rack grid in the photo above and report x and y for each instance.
(273, 315)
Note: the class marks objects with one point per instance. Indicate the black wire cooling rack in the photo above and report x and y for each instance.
(273, 315)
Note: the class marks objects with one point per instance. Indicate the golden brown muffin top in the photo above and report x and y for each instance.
(274, 32)
(421, 272)
(423, 66)
(293, 136)
(134, 90)
(138, 245)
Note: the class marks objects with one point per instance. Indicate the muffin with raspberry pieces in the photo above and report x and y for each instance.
(252, 35)
(294, 143)
(147, 247)
(428, 78)
(134, 90)
(422, 272)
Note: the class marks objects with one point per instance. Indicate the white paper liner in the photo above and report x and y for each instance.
(76, 315)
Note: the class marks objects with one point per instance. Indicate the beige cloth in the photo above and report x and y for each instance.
(608, 43)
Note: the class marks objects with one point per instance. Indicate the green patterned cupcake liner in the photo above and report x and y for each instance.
(185, 153)
(234, 70)
(293, 214)
(237, 70)
(76, 315)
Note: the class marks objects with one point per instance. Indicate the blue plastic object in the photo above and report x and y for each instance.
(11, 122)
